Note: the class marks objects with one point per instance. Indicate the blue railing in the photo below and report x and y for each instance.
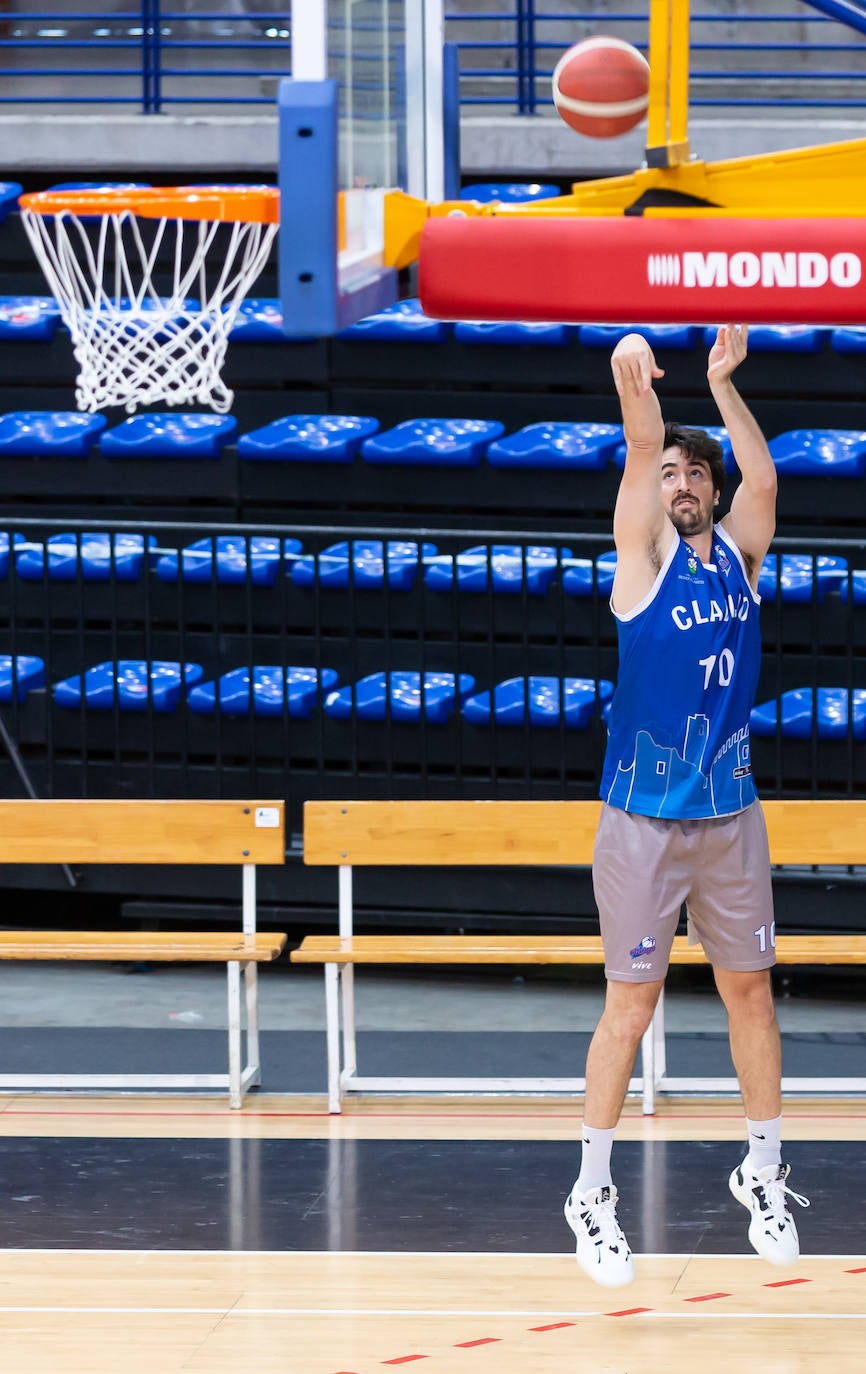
(150, 58)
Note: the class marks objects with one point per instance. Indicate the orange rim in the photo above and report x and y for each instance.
(245, 204)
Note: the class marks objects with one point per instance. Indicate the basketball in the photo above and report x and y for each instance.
(601, 87)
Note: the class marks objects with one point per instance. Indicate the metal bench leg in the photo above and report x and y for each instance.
(350, 1055)
(648, 1070)
(251, 988)
(332, 1021)
(233, 977)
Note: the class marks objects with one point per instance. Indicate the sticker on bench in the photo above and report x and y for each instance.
(267, 817)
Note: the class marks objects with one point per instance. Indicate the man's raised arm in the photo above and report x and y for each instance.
(639, 517)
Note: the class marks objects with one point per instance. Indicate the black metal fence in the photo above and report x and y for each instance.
(74, 600)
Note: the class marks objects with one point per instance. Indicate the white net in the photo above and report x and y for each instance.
(149, 303)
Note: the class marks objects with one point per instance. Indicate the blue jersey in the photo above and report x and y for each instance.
(690, 654)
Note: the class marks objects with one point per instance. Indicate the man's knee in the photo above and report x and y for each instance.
(629, 1009)
(747, 996)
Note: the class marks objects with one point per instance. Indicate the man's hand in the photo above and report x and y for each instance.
(634, 367)
(727, 352)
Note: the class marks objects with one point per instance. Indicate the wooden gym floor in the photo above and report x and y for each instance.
(174, 1235)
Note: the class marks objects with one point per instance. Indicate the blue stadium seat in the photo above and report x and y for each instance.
(505, 564)
(509, 192)
(29, 319)
(133, 684)
(858, 587)
(402, 322)
(403, 691)
(547, 700)
(448, 443)
(577, 580)
(48, 433)
(716, 432)
(98, 186)
(778, 338)
(308, 439)
(798, 714)
(368, 564)
(798, 575)
(93, 557)
(259, 320)
(28, 672)
(4, 550)
(537, 334)
(820, 452)
(264, 691)
(160, 435)
(197, 560)
(9, 193)
(657, 335)
(557, 444)
(849, 339)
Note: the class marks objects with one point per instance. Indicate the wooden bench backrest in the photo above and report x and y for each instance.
(420, 833)
(142, 832)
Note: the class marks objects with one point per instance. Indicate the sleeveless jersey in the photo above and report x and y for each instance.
(690, 654)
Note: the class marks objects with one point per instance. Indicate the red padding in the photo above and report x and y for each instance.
(658, 271)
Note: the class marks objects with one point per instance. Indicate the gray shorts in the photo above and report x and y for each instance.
(644, 869)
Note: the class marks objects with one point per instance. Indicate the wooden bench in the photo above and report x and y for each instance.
(419, 834)
(238, 833)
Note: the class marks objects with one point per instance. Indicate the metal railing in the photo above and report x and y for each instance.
(483, 637)
(150, 58)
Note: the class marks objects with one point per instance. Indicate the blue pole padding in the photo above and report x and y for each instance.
(307, 255)
(451, 118)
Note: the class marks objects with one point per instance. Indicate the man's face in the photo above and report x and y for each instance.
(687, 492)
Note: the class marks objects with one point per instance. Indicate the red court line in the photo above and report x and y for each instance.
(862, 1270)
(786, 1283)
(402, 1116)
(406, 1359)
(554, 1326)
(485, 1340)
(628, 1312)
(707, 1297)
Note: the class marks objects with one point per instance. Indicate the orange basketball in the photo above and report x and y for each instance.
(601, 87)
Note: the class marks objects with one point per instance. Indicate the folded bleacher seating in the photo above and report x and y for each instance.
(557, 444)
(4, 550)
(800, 715)
(235, 564)
(802, 577)
(820, 452)
(29, 319)
(401, 322)
(858, 587)
(367, 560)
(447, 443)
(130, 684)
(583, 578)
(506, 568)
(159, 435)
(848, 339)
(778, 338)
(259, 320)
(543, 702)
(94, 557)
(509, 192)
(536, 333)
(9, 193)
(20, 675)
(262, 691)
(399, 694)
(48, 433)
(308, 439)
(657, 335)
(717, 432)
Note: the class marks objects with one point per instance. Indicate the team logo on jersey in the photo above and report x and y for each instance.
(722, 560)
(646, 946)
(692, 564)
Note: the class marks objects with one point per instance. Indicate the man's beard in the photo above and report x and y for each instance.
(688, 517)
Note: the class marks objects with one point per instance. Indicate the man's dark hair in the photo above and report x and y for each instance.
(696, 443)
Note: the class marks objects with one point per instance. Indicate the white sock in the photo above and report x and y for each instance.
(594, 1158)
(765, 1143)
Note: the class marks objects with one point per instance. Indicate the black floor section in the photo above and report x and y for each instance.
(294, 1061)
(450, 1196)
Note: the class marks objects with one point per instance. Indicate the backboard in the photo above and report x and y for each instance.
(361, 114)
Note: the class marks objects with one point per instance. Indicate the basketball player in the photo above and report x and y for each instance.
(680, 819)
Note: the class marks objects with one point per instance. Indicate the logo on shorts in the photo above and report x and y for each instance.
(646, 946)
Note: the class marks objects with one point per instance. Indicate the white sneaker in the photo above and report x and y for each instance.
(771, 1231)
(602, 1249)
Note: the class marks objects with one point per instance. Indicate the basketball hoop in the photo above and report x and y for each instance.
(149, 281)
